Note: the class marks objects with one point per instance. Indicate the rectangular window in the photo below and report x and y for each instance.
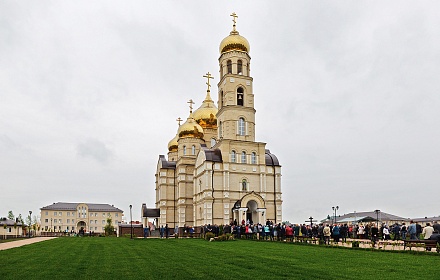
(55, 221)
(60, 213)
(68, 213)
(9, 229)
(46, 220)
(103, 214)
(68, 221)
(73, 221)
(47, 213)
(103, 222)
(91, 222)
(59, 221)
(116, 214)
(96, 222)
(55, 213)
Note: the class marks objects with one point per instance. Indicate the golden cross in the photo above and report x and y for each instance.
(208, 76)
(234, 19)
(191, 102)
(179, 120)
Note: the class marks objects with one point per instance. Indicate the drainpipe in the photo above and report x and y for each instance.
(174, 200)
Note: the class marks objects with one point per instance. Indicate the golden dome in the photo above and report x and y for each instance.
(190, 129)
(173, 145)
(234, 42)
(205, 115)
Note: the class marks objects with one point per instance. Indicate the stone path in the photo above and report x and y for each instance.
(18, 243)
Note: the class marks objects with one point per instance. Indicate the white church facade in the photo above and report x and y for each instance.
(215, 171)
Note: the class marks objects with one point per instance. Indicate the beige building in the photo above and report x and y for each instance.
(10, 228)
(67, 217)
(215, 171)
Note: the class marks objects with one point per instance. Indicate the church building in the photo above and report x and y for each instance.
(215, 171)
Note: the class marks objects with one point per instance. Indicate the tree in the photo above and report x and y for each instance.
(20, 219)
(11, 215)
(109, 228)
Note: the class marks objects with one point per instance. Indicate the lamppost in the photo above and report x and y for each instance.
(30, 222)
(131, 223)
(377, 217)
(51, 219)
(335, 208)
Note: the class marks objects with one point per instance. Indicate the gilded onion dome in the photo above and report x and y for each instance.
(234, 42)
(173, 145)
(205, 115)
(190, 129)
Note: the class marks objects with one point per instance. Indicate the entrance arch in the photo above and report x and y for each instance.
(250, 207)
(251, 213)
(81, 224)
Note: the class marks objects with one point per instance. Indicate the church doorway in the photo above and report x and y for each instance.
(251, 213)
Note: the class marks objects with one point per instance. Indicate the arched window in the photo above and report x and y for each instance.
(221, 70)
(241, 127)
(193, 150)
(244, 185)
(213, 142)
(229, 65)
(221, 99)
(220, 130)
(233, 156)
(184, 150)
(239, 67)
(240, 96)
(254, 158)
(243, 157)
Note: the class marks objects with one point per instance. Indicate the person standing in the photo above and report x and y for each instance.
(162, 231)
(403, 231)
(326, 231)
(412, 230)
(396, 231)
(418, 230)
(336, 233)
(385, 233)
(427, 232)
(167, 230)
(436, 227)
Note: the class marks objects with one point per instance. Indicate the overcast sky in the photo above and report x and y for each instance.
(347, 95)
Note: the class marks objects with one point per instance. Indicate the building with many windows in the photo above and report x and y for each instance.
(215, 171)
(68, 217)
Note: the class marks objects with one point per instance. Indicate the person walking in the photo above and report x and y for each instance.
(403, 231)
(396, 231)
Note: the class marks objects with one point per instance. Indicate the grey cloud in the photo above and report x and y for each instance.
(96, 150)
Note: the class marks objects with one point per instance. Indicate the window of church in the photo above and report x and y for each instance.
(233, 156)
(240, 96)
(213, 142)
(241, 126)
(220, 130)
(221, 70)
(244, 185)
(229, 65)
(239, 67)
(193, 150)
(184, 150)
(254, 158)
(243, 157)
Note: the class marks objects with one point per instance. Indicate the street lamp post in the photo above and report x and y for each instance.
(335, 208)
(377, 217)
(131, 223)
(30, 222)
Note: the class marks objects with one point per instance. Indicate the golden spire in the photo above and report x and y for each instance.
(179, 120)
(191, 102)
(234, 20)
(208, 76)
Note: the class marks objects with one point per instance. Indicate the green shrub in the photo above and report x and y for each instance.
(209, 235)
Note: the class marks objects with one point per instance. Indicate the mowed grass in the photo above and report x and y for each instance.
(122, 258)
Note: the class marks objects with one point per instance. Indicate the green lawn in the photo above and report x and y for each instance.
(122, 258)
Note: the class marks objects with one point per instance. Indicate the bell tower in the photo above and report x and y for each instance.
(236, 112)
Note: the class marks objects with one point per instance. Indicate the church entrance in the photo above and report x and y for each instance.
(81, 225)
(251, 213)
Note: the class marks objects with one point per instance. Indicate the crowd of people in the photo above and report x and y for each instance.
(326, 232)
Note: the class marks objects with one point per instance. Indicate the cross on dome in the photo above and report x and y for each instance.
(234, 20)
(179, 120)
(208, 76)
(191, 102)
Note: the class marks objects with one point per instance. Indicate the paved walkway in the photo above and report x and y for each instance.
(18, 243)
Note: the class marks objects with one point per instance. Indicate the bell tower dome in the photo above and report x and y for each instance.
(236, 112)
